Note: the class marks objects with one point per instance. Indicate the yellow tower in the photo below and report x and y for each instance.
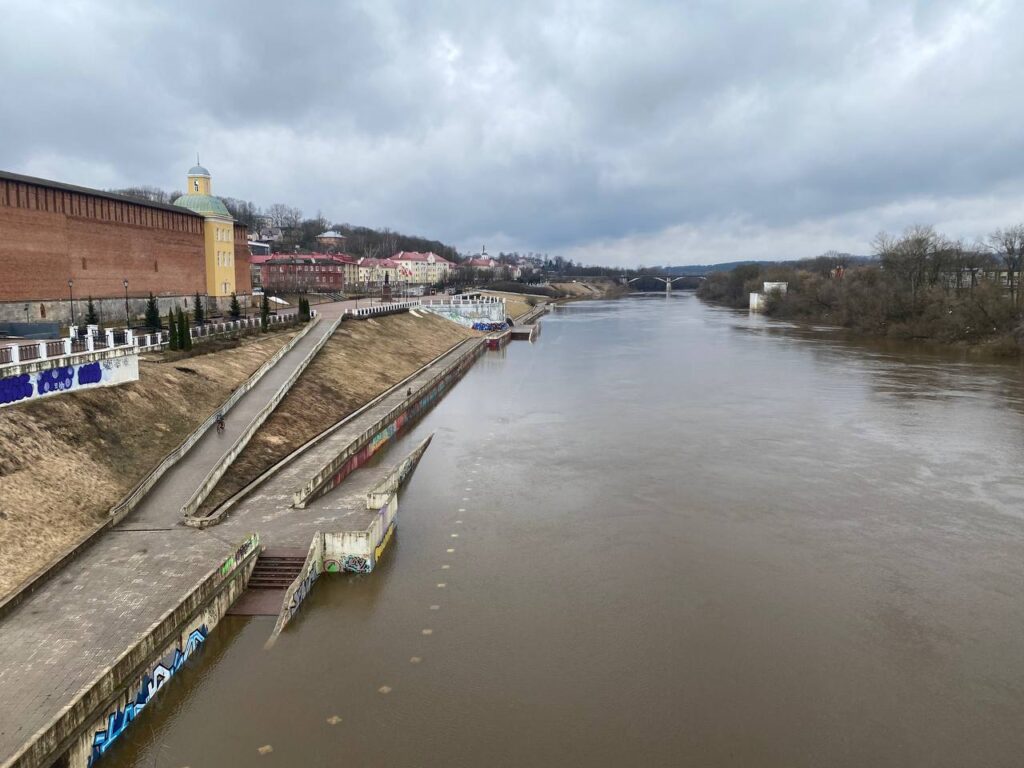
(218, 229)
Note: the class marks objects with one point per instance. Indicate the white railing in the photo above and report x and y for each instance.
(381, 309)
(96, 341)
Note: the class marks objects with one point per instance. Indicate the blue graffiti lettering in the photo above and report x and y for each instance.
(55, 379)
(90, 373)
(151, 683)
(15, 388)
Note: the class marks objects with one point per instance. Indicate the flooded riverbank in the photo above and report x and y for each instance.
(666, 533)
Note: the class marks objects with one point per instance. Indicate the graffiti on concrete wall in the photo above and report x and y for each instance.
(404, 419)
(151, 683)
(348, 563)
(246, 547)
(379, 550)
(303, 589)
(69, 378)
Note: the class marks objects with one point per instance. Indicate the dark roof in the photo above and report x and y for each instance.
(95, 193)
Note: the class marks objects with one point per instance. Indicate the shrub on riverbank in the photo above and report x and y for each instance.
(922, 286)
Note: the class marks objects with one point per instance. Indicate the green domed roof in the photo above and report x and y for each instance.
(207, 205)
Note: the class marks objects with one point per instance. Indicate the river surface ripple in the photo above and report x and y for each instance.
(674, 535)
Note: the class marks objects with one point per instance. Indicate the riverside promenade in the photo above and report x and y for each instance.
(61, 638)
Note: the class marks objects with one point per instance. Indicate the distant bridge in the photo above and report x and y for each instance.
(668, 280)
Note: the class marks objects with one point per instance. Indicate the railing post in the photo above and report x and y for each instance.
(110, 338)
(129, 338)
(90, 343)
(67, 346)
(42, 350)
(15, 354)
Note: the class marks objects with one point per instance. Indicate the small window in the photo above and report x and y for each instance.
(156, 265)
(83, 263)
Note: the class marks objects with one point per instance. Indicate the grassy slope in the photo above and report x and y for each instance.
(65, 460)
(359, 362)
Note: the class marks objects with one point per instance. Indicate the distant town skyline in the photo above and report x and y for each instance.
(605, 132)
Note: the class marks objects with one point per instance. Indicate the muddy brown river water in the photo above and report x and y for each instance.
(668, 534)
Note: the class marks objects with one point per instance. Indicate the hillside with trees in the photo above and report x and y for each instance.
(921, 286)
(294, 232)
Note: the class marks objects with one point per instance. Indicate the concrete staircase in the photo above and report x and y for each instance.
(274, 572)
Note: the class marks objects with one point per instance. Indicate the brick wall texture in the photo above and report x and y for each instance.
(51, 234)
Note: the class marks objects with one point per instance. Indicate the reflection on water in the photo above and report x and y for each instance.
(675, 535)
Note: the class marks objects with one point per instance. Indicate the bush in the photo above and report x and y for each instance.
(172, 330)
(199, 312)
(152, 314)
(91, 318)
(264, 313)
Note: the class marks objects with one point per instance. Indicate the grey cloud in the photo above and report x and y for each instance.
(607, 128)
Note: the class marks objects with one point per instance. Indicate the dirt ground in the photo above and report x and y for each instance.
(360, 361)
(66, 460)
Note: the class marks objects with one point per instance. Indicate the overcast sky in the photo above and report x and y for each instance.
(609, 132)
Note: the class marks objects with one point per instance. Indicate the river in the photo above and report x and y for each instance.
(664, 534)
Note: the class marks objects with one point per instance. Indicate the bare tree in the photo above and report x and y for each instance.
(284, 216)
(1008, 246)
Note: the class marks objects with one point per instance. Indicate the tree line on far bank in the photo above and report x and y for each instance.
(921, 285)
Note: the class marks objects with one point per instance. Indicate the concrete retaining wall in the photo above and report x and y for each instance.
(379, 433)
(101, 713)
(73, 377)
(467, 313)
(358, 551)
(215, 474)
(300, 588)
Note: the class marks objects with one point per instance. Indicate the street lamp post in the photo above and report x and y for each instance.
(127, 316)
(71, 294)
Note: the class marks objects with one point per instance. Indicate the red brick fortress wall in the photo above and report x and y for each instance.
(51, 234)
(243, 277)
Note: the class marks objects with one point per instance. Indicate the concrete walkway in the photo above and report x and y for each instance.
(59, 640)
(268, 510)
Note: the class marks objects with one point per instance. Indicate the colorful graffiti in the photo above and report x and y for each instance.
(303, 589)
(246, 547)
(405, 418)
(348, 564)
(379, 550)
(356, 564)
(148, 688)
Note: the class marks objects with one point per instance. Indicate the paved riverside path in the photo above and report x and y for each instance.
(57, 642)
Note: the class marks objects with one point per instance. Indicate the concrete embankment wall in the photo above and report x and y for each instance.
(300, 588)
(102, 712)
(466, 313)
(379, 433)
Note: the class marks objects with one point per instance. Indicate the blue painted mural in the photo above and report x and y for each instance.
(56, 379)
(120, 719)
(15, 388)
(53, 381)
